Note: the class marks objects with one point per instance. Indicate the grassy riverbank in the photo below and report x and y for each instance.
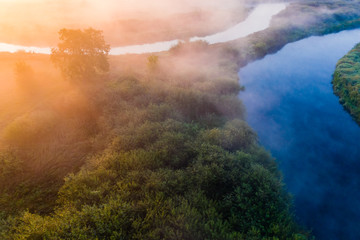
(346, 82)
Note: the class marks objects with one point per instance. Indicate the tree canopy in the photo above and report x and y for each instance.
(82, 54)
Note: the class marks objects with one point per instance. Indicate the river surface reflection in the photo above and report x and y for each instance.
(291, 105)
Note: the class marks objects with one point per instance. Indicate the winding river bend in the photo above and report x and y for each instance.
(291, 105)
(258, 20)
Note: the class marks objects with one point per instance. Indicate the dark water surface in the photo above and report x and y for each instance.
(290, 104)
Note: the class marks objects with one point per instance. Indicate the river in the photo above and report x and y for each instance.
(291, 105)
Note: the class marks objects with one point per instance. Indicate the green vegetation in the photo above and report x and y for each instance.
(82, 55)
(346, 82)
(162, 157)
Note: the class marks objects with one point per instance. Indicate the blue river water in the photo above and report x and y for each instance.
(291, 105)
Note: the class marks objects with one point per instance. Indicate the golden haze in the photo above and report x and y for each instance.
(124, 22)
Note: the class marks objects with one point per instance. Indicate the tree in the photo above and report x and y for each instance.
(82, 54)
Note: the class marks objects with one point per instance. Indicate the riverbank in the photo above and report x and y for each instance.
(346, 82)
(298, 21)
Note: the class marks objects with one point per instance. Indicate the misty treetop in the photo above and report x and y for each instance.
(81, 54)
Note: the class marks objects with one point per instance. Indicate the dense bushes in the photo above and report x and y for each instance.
(164, 161)
(346, 82)
(177, 183)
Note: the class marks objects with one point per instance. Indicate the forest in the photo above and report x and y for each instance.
(146, 147)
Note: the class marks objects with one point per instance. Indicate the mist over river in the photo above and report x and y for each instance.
(291, 105)
(258, 20)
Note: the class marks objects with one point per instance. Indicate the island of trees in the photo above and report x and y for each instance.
(346, 82)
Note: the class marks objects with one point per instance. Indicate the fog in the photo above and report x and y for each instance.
(258, 20)
(123, 22)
